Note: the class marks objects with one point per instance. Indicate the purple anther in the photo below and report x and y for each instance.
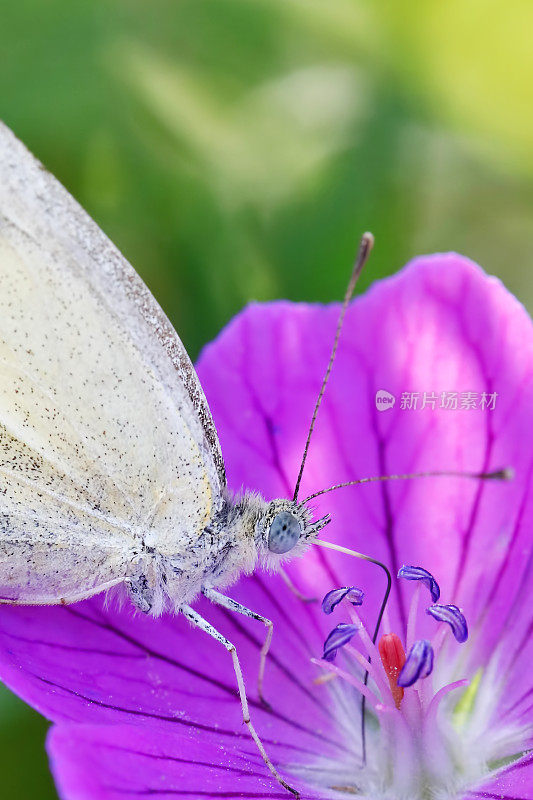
(337, 638)
(453, 616)
(421, 574)
(332, 599)
(418, 664)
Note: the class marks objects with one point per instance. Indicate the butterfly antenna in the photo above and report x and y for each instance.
(367, 242)
(505, 474)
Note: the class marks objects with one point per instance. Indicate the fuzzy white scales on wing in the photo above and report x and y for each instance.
(106, 439)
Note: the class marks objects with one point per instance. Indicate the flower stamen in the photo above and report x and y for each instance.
(338, 637)
(352, 680)
(421, 574)
(418, 664)
(453, 616)
(336, 596)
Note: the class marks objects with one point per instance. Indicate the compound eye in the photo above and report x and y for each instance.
(284, 532)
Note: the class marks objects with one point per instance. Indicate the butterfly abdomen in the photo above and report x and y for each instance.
(224, 550)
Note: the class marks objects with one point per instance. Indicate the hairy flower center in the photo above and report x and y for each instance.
(429, 733)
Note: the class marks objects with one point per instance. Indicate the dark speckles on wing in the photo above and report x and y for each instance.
(105, 435)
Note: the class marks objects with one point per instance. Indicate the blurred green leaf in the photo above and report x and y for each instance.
(260, 149)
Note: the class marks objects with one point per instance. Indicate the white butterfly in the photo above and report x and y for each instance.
(110, 465)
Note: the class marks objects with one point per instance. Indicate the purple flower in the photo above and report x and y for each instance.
(146, 706)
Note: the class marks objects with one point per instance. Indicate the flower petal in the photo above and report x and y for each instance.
(421, 574)
(350, 593)
(453, 616)
(96, 663)
(103, 762)
(512, 783)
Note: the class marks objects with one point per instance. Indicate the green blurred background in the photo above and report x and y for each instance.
(236, 149)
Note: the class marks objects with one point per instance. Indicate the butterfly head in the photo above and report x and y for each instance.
(286, 530)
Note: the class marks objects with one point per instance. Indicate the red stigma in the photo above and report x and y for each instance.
(393, 658)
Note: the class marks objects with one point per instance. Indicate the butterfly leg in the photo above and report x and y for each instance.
(201, 623)
(233, 605)
(294, 589)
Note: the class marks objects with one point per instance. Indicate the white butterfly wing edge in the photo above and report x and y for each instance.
(106, 437)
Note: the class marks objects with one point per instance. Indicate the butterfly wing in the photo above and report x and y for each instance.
(107, 444)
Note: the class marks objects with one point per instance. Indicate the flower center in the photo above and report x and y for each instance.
(420, 743)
